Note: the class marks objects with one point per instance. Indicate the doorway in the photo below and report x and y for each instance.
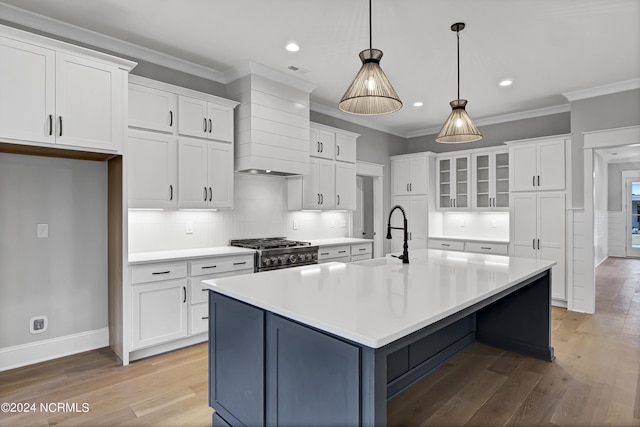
(367, 218)
(363, 215)
(631, 192)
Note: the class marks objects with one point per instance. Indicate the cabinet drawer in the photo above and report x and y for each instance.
(220, 265)
(346, 259)
(198, 318)
(489, 248)
(361, 249)
(333, 252)
(158, 272)
(449, 245)
(198, 295)
(362, 257)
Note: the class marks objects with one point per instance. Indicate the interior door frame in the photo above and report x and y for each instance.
(377, 172)
(628, 176)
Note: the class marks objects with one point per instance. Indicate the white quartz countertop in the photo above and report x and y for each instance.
(338, 241)
(470, 239)
(378, 301)
(179, 254)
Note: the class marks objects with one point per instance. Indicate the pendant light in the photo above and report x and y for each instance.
(459, 127)
(370, 93)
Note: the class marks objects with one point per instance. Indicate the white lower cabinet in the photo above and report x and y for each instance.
(537, 223)
(334, 254)
(167, 300)
(160, 312)
(493, 248)
(416, 208)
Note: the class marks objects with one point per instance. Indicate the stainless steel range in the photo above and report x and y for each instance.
(277, 252)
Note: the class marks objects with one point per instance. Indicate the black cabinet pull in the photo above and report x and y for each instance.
(170, 192)
(407, 188)
(209, 266)
(410, 186)
(170, 118)
(534, 244)
(184, 294)
(446, 245)
(362, 249)
(205, 194)
(338, 150)
(205, 318)
(60, 119)
(318, 198)
(161, 272)
(204, 290)
(210, 194)
(210, 125)
(342, 252)
(321, 199)
(485, 248)
(318, 150)
(50, 124)
(538, 244)
(240, 263)
(534, 180)
(338, 196)
(204, 121)
(322, 147)
(538, 180)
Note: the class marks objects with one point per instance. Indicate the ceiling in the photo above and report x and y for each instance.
(548, 47)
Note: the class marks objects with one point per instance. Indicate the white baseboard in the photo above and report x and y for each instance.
(170, 346)
(40, 351)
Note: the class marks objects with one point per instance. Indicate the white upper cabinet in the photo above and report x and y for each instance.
(153, 176)
(538, 165)
(490, 172)
(345, 148)
(410, 174)
(56, 93)
(152, 109)
(454, 182)
(205, 174)
(322, 143)
(204, 119)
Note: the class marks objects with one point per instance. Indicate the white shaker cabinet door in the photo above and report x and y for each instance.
(551, 235)
(345, 148)
(193, 189)
(417, 216)
(418, 177)
(89, 103)
(221, 122)
(220, 173)
(524, 167)
(27, 88)
(551, 165)
(327, 183)
(152, 170)
(192, 119)
(152, 109)
(345, 186)
(524, 223)
(160, 313)
(401, 176)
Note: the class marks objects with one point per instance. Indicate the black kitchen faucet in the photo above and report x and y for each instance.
(405, 248)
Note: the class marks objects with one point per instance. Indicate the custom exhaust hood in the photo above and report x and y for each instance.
(272, 121)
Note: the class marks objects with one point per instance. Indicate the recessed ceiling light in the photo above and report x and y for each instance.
(506, 82)
(418, 104)
(292, 47)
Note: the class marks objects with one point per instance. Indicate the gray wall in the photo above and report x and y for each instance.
(497, 134)
(63, 277)
(615, 183)
(602, 112)
(374, 147)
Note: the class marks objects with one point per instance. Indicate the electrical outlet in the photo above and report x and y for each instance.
(189, 227)
(38, 324)
(42, 231)
(295, 224)
(493, 223)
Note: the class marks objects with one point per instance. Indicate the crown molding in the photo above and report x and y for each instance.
(249, 67)
(503, 118)
(56, 28)
(607, 89)
(355, 119)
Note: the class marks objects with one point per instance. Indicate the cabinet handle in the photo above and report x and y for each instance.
(450, 203)
(534, 244)
(204, 121)
(446, 245)
(50, 124)
(60, 119)
(321, 199)
(338, 150)
(161, 272)
(170, 192)
(205, 318)
(538, 244)
(321, 147)
(318, 198)
(204, 290)
(208, 266)
(240, 263)
(184, 294)
(210, 194)
(210, 125)
(338, 196)
(362, 249)
(454, 203)
(170, 118)
(341, 252)
(410, 187)
(534, 180)
(538, 180)
(485, 248)
(324, 253)
(410, 236)
(318, 150)
(205, 194)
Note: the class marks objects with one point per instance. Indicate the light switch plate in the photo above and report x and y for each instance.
(189, 227)
(42, 231)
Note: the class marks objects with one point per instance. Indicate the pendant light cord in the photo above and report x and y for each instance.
(370, 28)
(458, 37)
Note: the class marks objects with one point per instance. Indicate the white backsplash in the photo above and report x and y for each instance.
(476, 225)
(260, 210)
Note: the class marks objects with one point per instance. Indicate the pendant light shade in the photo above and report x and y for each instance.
(370, 93)
(459, 127)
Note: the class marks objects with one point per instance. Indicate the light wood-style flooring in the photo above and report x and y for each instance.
(594, 381)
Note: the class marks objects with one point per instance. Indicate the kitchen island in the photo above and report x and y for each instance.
(330, 344)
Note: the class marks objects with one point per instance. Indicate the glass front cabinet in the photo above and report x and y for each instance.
(491, 180)
(453, 175)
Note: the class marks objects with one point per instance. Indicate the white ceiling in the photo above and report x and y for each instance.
(549, 47)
